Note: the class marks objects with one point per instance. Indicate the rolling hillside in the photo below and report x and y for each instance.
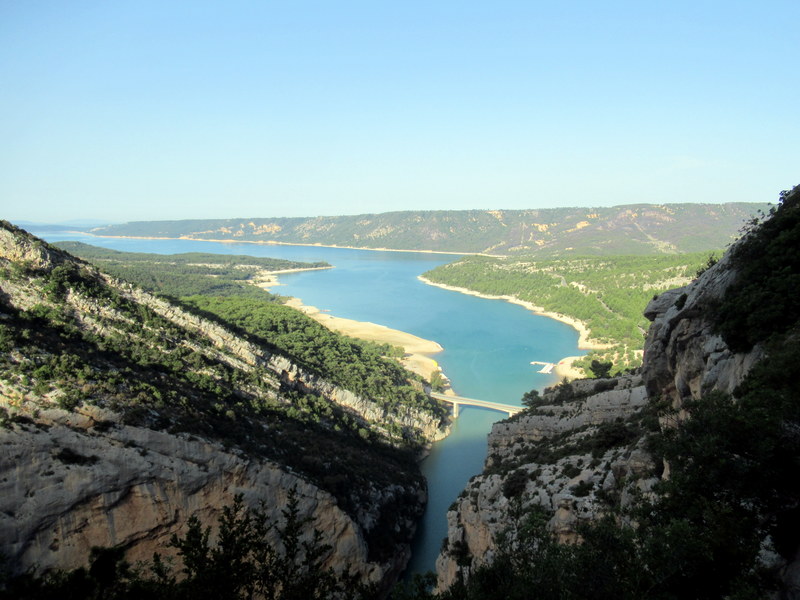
(631, 229)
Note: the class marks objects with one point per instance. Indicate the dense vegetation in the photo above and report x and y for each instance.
(765, 296)
(633, 229)
(353, 364)
(189, 273)
(356, 365)
(161, 376)
(608, 294)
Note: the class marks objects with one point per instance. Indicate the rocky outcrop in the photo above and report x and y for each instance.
(544, 456)
(684, 357)
(76, 480)
(25, 250)
(626, 395)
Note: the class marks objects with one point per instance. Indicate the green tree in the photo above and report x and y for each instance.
(437, 381)
(532, 399)
(241, 564)
(600, 369)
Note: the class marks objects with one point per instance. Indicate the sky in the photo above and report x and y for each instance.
(148, 110)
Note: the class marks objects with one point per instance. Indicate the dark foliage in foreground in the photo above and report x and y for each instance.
(242, 563)
(764, 298)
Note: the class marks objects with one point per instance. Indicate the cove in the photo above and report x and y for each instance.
(488, 344)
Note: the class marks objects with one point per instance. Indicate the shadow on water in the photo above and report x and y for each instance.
(448, 469)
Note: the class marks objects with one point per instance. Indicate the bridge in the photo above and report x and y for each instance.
(459, 401)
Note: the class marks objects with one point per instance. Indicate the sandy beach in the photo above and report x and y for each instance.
(418, 350)
(564, 367)
(269, 279)
(584, 341)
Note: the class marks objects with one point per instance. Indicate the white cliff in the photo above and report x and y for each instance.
(544, 456)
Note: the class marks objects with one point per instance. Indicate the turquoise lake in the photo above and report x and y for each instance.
(488, 344)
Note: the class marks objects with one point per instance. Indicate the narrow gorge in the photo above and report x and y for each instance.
(124, 414)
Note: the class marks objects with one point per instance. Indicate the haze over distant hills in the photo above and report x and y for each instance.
(629, 229)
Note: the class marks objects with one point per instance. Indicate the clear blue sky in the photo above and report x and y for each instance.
(135, 110)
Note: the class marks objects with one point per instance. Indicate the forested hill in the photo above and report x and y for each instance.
(190, 273)
(628, 229)
(607, 294)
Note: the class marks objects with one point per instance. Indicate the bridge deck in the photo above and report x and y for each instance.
(461, 401)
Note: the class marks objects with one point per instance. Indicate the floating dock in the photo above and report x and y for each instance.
(546, 366)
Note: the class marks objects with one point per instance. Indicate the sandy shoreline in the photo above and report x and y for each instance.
(564, 367)
(418, 350)
(584, 341)
(274, 243)
(269, 279)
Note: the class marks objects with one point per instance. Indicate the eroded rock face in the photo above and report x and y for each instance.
(627, 396)
(684, 357)
(71, 481)
(246, 355)
(565, 484)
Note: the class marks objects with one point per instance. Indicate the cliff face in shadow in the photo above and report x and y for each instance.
(717, 367)
(124, 414)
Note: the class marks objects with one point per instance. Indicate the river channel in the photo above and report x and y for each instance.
(488, 344)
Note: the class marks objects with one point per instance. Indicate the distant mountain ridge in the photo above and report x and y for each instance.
(626, 229)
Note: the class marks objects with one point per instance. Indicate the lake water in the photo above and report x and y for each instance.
(488, 344)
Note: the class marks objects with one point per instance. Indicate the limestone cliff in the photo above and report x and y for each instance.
(548, 456)
(124, 414)
(581, 448)
(76, 480)
(684, 356)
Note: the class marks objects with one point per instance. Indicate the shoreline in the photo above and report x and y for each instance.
(584, 341)
(417, 359)
(564, 367)
(269, 279)
(417, 350)
(276, 243)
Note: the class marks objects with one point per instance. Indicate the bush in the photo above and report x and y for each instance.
(515, 483)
